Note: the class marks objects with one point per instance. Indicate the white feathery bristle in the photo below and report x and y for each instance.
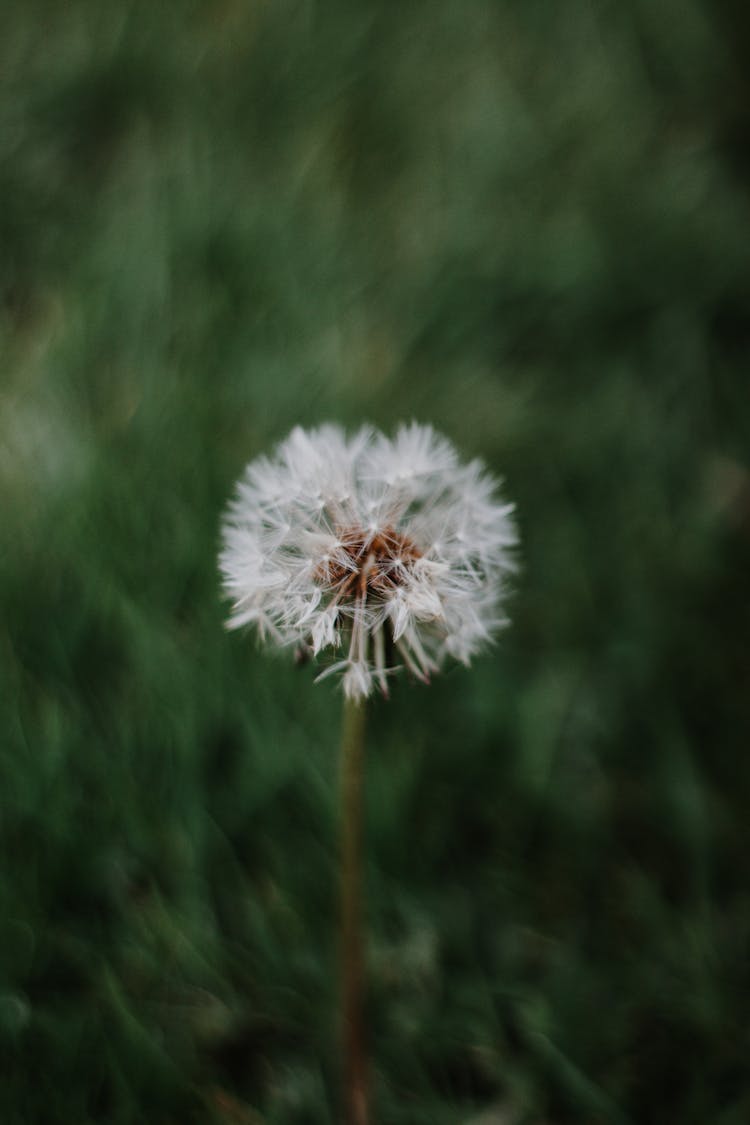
(387, 547)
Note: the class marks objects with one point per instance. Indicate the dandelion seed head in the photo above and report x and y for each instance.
(386, 551)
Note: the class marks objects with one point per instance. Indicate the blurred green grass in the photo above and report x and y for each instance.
(527, 224)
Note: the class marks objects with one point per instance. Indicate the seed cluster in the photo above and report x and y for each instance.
(379, 552)
(367, 563)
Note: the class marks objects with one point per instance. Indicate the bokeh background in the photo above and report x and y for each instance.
(527, 223)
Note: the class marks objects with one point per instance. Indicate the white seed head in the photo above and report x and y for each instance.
(387, 550)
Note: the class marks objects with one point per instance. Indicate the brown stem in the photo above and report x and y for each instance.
(356, 1110)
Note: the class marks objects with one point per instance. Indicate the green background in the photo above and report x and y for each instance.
(528, 224)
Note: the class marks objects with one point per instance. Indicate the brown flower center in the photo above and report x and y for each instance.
(367, 563)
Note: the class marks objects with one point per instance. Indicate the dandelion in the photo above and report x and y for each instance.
(378, 553)
(386, 552)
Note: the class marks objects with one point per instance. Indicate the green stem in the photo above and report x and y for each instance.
(352, 956)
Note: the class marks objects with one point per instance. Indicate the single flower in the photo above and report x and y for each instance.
(387, 550)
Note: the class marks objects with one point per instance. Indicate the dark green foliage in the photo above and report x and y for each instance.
(527, 223)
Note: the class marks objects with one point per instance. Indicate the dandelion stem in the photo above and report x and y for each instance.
(351, 952)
